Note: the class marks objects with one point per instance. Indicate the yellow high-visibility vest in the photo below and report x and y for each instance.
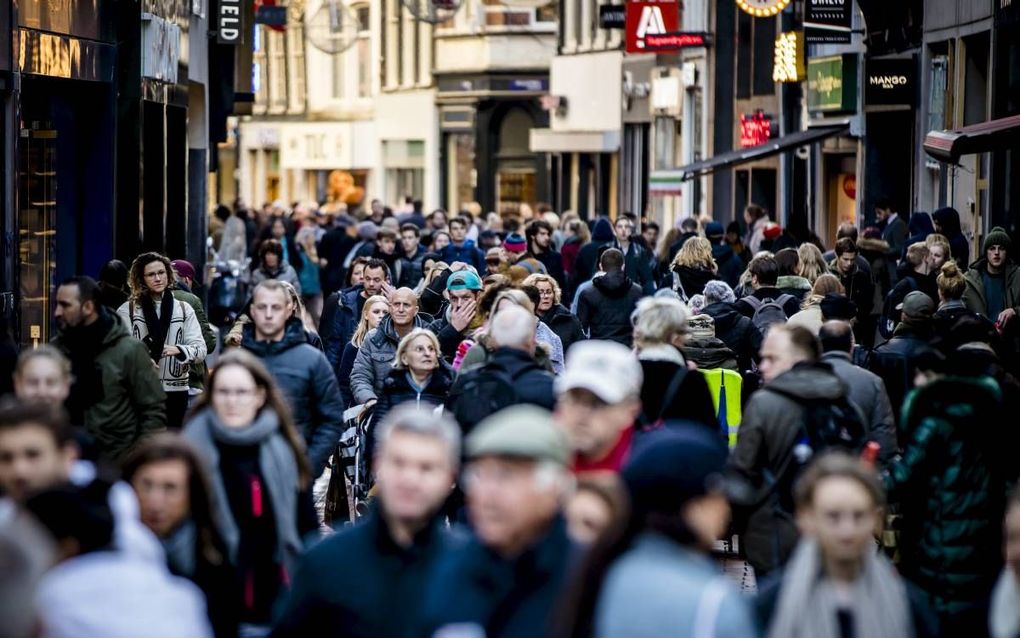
(726, 387)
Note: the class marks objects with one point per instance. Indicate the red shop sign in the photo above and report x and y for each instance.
(650, 17)
(755, 129)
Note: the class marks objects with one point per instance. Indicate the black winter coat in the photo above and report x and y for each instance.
(692, 402)
(360, 583)
(564, 324)
(896, 362)
(730, 266)
(553, 263)
(397, 390)
(604, 309)
(309, 385)
(737, 332)
(533, 383)
(692, 280)
(340, 316)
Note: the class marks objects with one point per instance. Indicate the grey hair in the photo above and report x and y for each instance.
(405, 343)
(696, 304)
(656, 319)
(513, 326)
(718, 291)
(423, 422)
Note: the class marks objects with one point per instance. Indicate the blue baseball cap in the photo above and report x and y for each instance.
(463, 280)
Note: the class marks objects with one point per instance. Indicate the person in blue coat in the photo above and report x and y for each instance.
(461, 248)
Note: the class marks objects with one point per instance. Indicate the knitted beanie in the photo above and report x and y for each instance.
(997, 237)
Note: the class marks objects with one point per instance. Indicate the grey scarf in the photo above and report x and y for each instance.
(808, 603)
(279, 470)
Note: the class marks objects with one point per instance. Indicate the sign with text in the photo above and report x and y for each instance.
(230, 22)
(890, 82)
(755, 129)
(650, 18)
(828, 21)
(612, 16)
(789, 58)
(832, 84)
(676, 41)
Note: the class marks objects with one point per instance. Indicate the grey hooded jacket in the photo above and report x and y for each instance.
(375, 360)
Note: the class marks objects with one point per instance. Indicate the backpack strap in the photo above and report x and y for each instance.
(754, 302)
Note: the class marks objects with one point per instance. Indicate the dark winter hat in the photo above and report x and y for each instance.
(603, 230)
(520, 431)
(837, 306)
(997, 237)
(714, 229)
(515, 243)
(701, 327)
(183, 268)
(917, 305)
(674, 464)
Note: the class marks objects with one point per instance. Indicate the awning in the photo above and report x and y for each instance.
(745, 155)
(545, 140)
(993, 135)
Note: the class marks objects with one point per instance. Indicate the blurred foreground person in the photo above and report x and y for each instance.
(260, 479)
(650, 574)
(97, 590)
(1004, 621)
(851, 589)
(175, 502)
(369, 580)
(506, 580)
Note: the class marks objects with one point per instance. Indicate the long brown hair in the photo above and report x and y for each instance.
(172, 447)
(274, 402)
(136, 276)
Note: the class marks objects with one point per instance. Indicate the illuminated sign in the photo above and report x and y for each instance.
(828, 21)
(762, 8)
(675, 41)
(755, 129)
(832, 83)
(650, 18)
(789, 60)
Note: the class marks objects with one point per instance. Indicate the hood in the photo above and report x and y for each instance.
(722, 253)
(349, 297)
(724, 314)
(293, 336)
(602, 231)
(809, 382)
(920, 224)
(709, 353)
(873, 245)
(793, 281)
(696, 275)
(949, 220)
(614, 284)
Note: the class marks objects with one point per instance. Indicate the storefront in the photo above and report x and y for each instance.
(331, 163)
(408, 152)
(59, 149)
(485, 123)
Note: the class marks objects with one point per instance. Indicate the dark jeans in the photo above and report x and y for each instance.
(176, 408)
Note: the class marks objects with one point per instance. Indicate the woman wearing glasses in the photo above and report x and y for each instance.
(259, 472)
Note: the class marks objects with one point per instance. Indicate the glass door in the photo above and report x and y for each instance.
(37, 217)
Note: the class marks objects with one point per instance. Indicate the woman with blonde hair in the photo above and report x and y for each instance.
(692, 268)
(952, 284)
(810, 315)
(376, 307)
(552, 312)
(260, 475)
(812, 262)
(483, 346)
(419, 375)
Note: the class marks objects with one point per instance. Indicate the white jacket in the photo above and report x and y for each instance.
(184, 332)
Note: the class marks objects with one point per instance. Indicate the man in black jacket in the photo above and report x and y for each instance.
(370, 580)
(638, 261)
(859, 289)
(604, 309)
(540, 246)
(896, 360)
(411, 269)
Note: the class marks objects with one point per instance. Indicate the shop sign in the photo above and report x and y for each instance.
(890, 82)
(832, 83)
(612, 16)
(230, 22)
(828, 21)
(762, 8)
(755, 129)
(676, 41)
(315, 147)
(272, 16)
(789, 58)
(650, 17)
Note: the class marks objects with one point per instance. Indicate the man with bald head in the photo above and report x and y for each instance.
(375, 359)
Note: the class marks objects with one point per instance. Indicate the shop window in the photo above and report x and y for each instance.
(461, 173)
(37, 232)
(363, 51)
(515, 177)
(498, 14)
(937, 95)
(277, 52)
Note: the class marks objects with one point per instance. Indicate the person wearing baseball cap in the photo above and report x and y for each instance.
(896, 359)
(463, 290)
(993, 283)
(506, 580)
(598, 401)
(657, 578)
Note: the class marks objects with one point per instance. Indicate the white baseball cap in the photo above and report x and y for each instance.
(609, 370)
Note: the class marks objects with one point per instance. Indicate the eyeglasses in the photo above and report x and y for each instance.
(156, 275)
(545, 293)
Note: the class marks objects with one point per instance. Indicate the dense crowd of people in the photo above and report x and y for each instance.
(522, 425)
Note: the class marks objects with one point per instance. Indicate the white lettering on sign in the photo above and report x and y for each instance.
(888, 81)
(228, 25)
(651, 22)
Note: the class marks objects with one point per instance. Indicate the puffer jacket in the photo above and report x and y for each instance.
(605, 308)
(307, 381)
(951, 483)
(771, 426)
(737, 331)
(397, 390)
(375, 360)
(345, 318)
(564, 324)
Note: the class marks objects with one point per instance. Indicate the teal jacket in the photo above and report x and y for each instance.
(951, 484)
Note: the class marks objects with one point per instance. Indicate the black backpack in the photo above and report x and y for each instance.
(825, 426)
(481, 392)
